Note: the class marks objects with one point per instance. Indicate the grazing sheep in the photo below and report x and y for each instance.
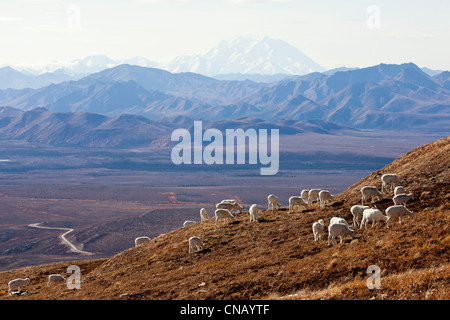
(17, 284)
(402, 198)
(304, 194)
(317, 229)
(223, 214)
(372, 214)
(55, 278)
(313, 194)
(203, 214)
(229, 206)
(324, 197)
(357, 212)
(339, 229)
(334, 220)
(253, 211)
(195, 244)
(399, 190)
(273, 200)
(370, 191)
(140, 240)
(188, 223)
(397, 211)
(296, 201)
(390, 181)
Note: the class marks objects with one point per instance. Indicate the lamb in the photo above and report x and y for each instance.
(334, 220)
(339, 229)
(230, 206)
(17, 284)
(203, 214)
(304, 194)
(399, 190)
(273, 201)
(370, 191)
(55, 278)
(195, 244)
(140, 240)
(372, 214)
(253, 211)
(357, 212)
(188, 223)
(317, 229)
(390, 180)
(402, 198)
(324, 197)
(295, 201)
(397, 211)
(313, 194)
(223, 214)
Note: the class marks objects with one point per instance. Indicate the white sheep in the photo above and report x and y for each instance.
(399, 190)
(229, 206)
(402, 198)
(317, 229)
(371, 192)
(223, 214)
(273, 201)
(339, 229)
(334, 220)
(304, 194)
(253, 211)
(55, 278)
(195, 244)
(324, 197)
(203, 214)
(389, 181)
(296, 201)
(188, 223)
(313, 194)
(372, 214)
(140, 240)
(357, 212)
(397, 211)
(17, 284)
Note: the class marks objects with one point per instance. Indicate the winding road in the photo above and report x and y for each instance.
(63, 237)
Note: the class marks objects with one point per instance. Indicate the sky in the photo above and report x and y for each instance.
(334, 33)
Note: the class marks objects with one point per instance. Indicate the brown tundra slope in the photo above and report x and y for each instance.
(277, 257)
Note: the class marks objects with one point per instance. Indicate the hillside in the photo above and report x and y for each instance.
(277, 258)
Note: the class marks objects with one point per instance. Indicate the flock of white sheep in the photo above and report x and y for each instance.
(338, 227)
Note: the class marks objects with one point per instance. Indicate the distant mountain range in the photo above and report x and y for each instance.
(377, 97)
(81, 129)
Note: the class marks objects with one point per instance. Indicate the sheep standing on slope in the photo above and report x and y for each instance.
(304, 194)
(370, 192)
(402, 198)
(55, 278)
(324, 197)
(317, 229)
(273, 201)
(399, 190)
(188, 223)
(357, 212)
(397, 211)
(389, 181)
(223, 214)
(195, 244)
(230, 206)
(203, 214)
(17, 284)
(253, 211)
(374, 215)
(313, 194)
(339, 229)
(296, 202)
(140, 240)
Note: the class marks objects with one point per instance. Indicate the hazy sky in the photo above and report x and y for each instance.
(353, 33)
